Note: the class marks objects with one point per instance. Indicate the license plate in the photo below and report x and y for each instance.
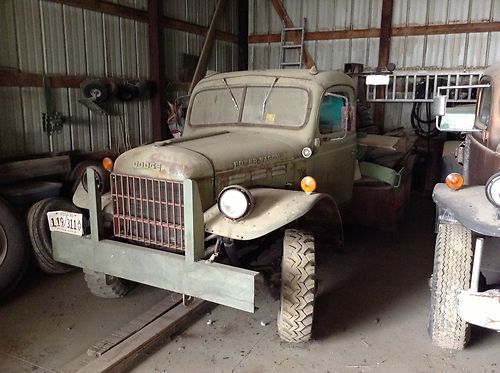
(66, 222)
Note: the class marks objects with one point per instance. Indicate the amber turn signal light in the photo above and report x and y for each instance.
(454, 181)
(308, 184)
(107, 163)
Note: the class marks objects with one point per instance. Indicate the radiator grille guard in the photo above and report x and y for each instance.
(148, 211)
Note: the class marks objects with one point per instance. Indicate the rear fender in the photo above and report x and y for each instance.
(275, 208)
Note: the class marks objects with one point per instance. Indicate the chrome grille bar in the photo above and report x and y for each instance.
(148, 211)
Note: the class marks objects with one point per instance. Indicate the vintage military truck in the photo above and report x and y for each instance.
(468, 213)
(264, 154)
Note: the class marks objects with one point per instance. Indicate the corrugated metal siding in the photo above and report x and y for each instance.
(457, 51)
(321, 15)
(46, 37)
(434, 51)
(224, 56)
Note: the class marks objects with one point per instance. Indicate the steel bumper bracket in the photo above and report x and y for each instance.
(215, 282)
(480, 308)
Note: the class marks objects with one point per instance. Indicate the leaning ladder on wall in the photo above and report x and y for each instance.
(422, 86)
(288, 45)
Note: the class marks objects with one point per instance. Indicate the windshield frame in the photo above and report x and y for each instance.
(242, 124)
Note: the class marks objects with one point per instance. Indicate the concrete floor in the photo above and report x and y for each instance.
(371, 315)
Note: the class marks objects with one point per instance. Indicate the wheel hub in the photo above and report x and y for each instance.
(3, 245)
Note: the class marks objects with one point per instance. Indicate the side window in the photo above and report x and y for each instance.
(330, 113)
(484, 108)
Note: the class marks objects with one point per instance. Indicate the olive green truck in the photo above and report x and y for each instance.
(264, 154)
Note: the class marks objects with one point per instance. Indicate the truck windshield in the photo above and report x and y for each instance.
(285, 106)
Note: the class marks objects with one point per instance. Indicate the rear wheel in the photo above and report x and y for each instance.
(298, 286)
(452, 272)
(13, 251)
(105, 286)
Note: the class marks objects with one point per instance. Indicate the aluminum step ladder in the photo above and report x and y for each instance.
(289, 45)
(423, 86)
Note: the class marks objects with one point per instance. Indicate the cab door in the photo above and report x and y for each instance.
(332, 162)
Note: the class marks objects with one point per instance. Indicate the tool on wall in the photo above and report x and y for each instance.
(52, 121)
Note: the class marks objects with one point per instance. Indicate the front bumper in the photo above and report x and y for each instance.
(219, 283)
(480, 308)
(187, 274)
(468, 206)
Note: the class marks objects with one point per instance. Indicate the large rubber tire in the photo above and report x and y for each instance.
(13, 250)
(298, 287)
(39, 232)
(105, 286)
(452, 272)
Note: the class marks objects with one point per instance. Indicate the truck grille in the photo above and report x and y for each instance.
(148, 211)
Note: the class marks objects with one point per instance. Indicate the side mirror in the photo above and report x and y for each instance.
(439, 105)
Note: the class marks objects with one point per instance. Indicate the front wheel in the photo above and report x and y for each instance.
(298, 286)
(105, 286)
(452, 272)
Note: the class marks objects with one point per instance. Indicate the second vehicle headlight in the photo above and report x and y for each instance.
(493, 189)
(235, 202)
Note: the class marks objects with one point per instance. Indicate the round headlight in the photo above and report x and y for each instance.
(235, 202)
(493, 189)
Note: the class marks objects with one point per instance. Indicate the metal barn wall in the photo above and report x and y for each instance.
(224, 56)
(321, 15)
(45, 37)
(49, 38)
(468, 51)
(408, 52)
(450, 52)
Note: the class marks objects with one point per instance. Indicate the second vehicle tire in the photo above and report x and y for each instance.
(39, 232)
(452, 272)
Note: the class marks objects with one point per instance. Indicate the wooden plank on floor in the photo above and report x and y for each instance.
(125, 354)
(100, 347)
(135, 325)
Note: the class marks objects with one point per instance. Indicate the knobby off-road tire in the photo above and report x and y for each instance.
(105, 286)
(298, 285)
(452, 271)
(39, 232)
(13, 250)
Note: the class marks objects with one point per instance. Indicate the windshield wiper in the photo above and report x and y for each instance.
(232, 96)
(265, 99)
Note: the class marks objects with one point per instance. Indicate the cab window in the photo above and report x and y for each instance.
(484, 107)
(330, 113)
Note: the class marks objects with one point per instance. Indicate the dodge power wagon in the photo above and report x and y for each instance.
(468, 221)
(264, 154)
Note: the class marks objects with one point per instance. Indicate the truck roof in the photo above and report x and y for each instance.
(493, 71)
(324, 78)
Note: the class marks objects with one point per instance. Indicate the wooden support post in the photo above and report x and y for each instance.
(243, 35)
(201, 67)
(156, 65)
(383, 56)
(280, 9)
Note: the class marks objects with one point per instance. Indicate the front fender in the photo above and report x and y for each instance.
(274, 208)
(80, 199)
(469, 206)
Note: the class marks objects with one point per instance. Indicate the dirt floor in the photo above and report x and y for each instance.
(371, 315)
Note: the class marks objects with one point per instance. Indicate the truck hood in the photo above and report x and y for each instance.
(201, 157)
